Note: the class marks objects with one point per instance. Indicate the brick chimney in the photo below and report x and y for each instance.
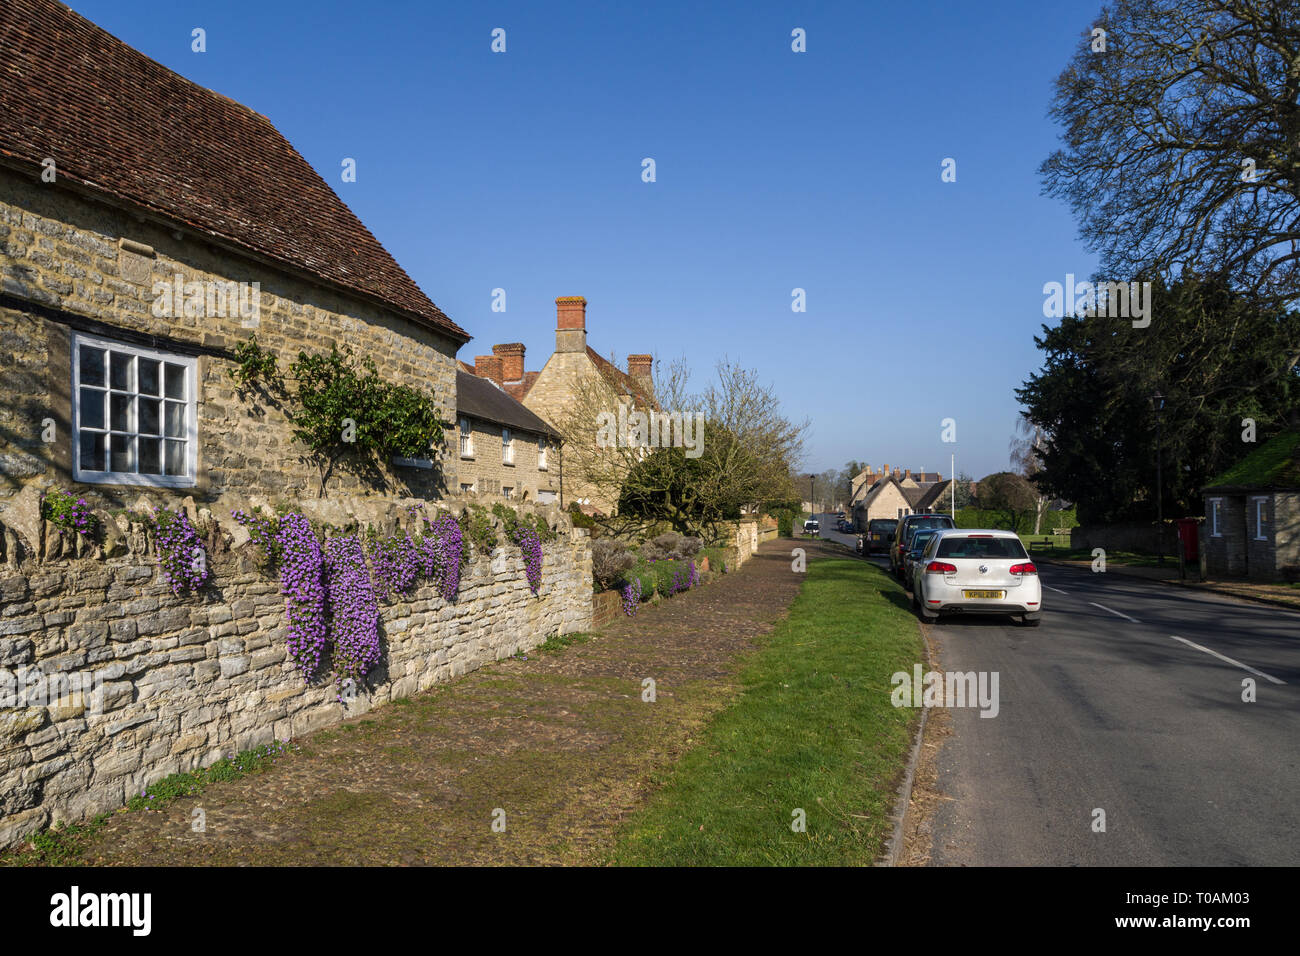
(570, 324)
(640, 366)
(512, 360)
(885, 473)
(488, 366)
(907, 473)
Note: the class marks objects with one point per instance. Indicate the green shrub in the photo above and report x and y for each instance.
(476, 527)
(717, 558)
(784, 524)
(644, 572)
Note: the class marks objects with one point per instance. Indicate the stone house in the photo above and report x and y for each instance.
(892, 494)
(571, 370)
(887, 498)
(148, 227)
(1252, 514)
(139, 252)
(502, 448)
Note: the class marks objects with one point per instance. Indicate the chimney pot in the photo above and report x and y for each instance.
(640, 366)
(489, 366)
(512, 360)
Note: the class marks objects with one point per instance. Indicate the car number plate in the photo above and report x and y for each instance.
(981, 594)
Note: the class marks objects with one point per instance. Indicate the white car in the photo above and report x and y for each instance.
(976, 572)
(813, 528)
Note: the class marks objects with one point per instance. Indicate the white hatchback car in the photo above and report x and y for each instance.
(976, 572)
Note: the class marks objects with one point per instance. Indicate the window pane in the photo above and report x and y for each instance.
(175, 420)
(121, 457)
(120, 412)
(150, 415)
(150, 456)
(92, 408)
(175, 457)
(147, 370)
(92, 451)
(120, 370)
(175, 381)
(92, 366)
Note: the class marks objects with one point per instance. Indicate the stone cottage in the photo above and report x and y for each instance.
(1252, 514)
(503, 449)
(573, 368)
(148, 228)
(140, 251)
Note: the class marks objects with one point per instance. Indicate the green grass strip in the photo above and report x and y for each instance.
(812, 730)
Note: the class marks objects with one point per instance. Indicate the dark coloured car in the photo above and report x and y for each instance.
(902, 538)
(920, 538)
(880, 531)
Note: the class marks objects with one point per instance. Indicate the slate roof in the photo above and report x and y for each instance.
(480, 398)
(125, 126)
(930, 495)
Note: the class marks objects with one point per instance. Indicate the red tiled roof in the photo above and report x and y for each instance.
(123, 125)
(519, 389)
(621, 381)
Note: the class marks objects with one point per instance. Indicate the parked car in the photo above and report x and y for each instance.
(902, 536)
(812, 527)
(880, 531)
(920, 538)
(976, 572)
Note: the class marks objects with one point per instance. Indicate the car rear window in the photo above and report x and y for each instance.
(964, 546)
(931, 523)
(920, 538)
(883, 524)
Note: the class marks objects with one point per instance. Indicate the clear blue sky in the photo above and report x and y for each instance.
(776, 170)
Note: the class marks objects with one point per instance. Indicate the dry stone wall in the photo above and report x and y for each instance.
(108, 682)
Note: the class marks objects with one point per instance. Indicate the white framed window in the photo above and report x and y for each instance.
(466, 488)
(541, 453)
(1261, 515)
(507, 447)
(466, 439)
(507, 492)
(1216, 506)
(134, 414)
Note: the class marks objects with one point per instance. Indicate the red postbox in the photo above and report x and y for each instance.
(1188, 534)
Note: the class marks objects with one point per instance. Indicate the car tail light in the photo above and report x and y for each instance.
(940, 567)
(1023, 569)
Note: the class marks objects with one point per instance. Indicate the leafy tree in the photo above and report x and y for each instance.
(1215, 356)
(1011, 496)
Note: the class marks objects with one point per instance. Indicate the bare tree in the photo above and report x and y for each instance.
(1182, 143)
(744, 451)
(1027, 446)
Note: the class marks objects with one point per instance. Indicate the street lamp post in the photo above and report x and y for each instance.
(1158, 406)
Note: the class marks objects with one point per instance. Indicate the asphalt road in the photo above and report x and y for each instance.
(1102, 707)
(1106, 706)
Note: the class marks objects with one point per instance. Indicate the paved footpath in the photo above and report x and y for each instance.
(561, 742)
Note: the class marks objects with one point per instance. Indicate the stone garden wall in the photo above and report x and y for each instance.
(118, 683)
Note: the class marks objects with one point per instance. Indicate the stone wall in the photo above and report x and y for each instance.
(1135, 536)
(118, 683)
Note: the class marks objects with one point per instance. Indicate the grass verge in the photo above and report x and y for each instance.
(813, 731)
